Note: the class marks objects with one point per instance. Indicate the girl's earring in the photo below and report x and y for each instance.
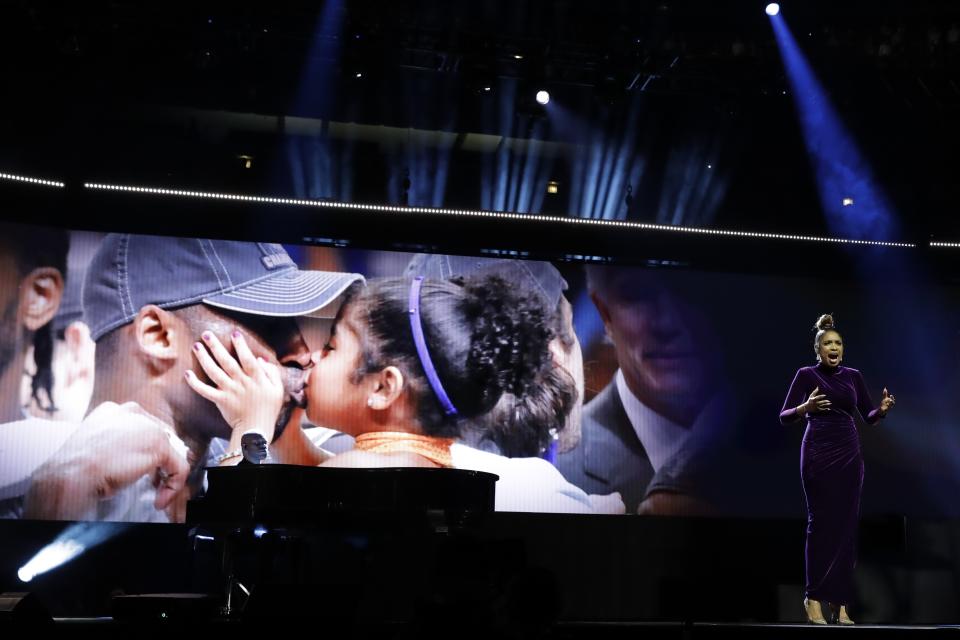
(370, 402)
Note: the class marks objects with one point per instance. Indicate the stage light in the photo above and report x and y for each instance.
(843, 176)
(71, 542)
(553, 187)
(543, 97)
(50, 557)
(488, 88)
(358, 75)
(259, 531)
(773, 9)
(517, 56)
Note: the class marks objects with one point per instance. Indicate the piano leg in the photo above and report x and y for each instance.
(232, 583)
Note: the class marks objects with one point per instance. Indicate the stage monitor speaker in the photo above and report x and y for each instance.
(23, 609)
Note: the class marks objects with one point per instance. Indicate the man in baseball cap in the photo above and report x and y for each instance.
(148, 301)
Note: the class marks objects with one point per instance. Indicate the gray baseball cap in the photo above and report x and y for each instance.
(259, 278)
(541, 278)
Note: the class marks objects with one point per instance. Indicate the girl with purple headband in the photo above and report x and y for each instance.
(407, 365)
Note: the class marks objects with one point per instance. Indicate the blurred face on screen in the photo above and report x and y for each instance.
(145, 361)
(661, 339)
(73, 376)
(567, 354)
(29, 298)
(276, 340)
(333, 397)
(9, 296)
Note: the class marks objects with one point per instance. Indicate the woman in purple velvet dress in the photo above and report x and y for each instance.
(831, 468)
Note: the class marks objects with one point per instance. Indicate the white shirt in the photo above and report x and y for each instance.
(27, 444)
(24, 446)
(661, 438)
(532, 484)
(320, 435)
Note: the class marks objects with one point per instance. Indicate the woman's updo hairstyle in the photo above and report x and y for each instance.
(823, 324)
(484, 339)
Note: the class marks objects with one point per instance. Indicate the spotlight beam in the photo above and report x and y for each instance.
(841, 171)
(72, 542)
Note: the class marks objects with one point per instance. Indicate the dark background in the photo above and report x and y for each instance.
(170, 96)
(175, 96)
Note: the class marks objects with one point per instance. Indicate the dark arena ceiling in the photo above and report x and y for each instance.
(211, 95)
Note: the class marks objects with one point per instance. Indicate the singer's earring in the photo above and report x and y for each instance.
(370, 402)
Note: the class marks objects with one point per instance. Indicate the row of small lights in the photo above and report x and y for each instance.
(463, 212)
(16, 178)
(487, 214)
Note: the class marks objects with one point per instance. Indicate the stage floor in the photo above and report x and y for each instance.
(448, 628)
(688, 631)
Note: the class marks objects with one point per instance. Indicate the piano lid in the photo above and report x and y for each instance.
(298, 494)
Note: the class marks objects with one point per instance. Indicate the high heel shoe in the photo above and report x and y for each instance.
(843, 618)
(813, 611)
(838, 614)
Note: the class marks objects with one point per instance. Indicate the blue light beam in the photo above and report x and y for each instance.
(514, 177)
(842, 173)
(317, 167)
(72, 542)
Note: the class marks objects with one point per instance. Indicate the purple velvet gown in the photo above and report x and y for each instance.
(831, 468)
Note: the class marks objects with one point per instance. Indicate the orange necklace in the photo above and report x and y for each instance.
(436, 450)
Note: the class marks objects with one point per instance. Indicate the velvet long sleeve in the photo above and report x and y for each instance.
(843, 387)
(795, 397)
(831, 470)
(871, 414)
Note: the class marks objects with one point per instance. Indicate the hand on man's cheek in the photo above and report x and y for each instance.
(224, 333)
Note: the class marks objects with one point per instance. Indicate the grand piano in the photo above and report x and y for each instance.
(289, 495)
(308, 527)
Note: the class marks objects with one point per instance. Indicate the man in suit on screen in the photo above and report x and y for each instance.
(641, 435)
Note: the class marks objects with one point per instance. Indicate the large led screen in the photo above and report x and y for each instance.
(130, 364)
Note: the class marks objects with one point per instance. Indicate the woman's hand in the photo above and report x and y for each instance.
(887, 402)
(249, 390)
(816, 402)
